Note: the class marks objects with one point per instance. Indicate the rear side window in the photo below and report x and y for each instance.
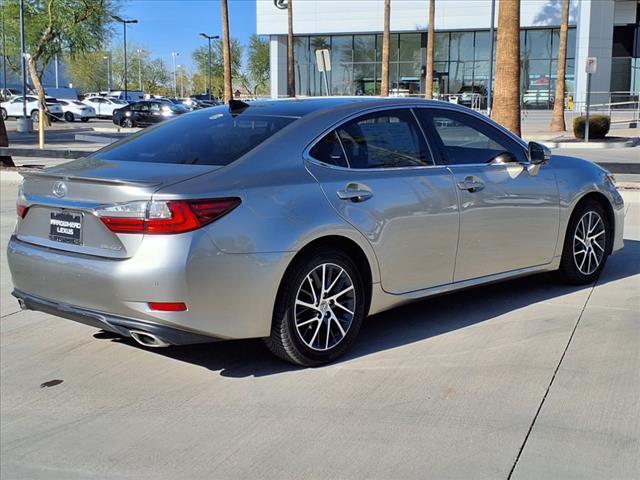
(328, 150)
(207, 137)
(386, 139)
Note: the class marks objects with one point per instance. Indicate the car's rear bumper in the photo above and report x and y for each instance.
(109, 322)
(228, 296)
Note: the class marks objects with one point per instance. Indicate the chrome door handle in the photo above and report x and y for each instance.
(471, 185)
(354, 194)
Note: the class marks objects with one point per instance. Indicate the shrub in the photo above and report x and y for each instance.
(598, 126)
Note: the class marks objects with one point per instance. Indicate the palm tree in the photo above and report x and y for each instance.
(557, 120)
(431, 48)
(226, 52)
(386, 37)
(291, 81)
(506, 100)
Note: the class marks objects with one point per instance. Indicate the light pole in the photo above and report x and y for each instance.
(108, 59)
(124, 26)
(209, 38)
(24, 123)
(139, 52)
(181, 81)
(4, 52)
(175, 81)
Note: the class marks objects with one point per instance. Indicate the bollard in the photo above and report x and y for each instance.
(41, 127)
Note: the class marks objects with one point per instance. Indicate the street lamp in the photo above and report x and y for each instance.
(209, 38)
(108, 59)
(24, 123)
(181, 81)
(139, 52)
(124, 26)
(175, 82)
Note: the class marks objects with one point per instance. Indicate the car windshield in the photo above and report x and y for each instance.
(211, 137)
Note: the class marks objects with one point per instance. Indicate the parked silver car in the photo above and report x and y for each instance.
(293, 220)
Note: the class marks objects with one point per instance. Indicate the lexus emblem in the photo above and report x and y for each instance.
(281, 4)
(59, 189)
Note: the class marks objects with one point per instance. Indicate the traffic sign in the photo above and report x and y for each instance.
(323, 60)
(591, 65)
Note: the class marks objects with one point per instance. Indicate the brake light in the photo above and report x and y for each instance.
(168, 306)
(21, 210)
(169, 217)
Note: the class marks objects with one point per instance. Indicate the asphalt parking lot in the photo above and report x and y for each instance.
(525, 379)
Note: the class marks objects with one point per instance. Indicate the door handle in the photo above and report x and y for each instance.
(355, 193)
(471, 184)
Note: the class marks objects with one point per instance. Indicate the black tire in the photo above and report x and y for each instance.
(84, 119)
(68, 116)
(35, 116)
(3, 112)
(285, 340)
(571, 270)
(127, 123)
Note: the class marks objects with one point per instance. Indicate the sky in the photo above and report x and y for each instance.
(166, 26)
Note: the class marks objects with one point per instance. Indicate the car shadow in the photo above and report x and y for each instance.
(404, 325)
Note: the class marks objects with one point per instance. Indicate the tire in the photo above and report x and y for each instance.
(127, 123)
(35, 116)
(84, 119)
(68, 116)
(3, 112)
(320, 334)
(589, 219)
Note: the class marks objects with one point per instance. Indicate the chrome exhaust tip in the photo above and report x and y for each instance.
(22, 304)
(148, 339)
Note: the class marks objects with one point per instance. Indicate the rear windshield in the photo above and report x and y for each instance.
(206, 137)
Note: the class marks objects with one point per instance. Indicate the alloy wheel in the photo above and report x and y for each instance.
(589, 242)
(325, 306)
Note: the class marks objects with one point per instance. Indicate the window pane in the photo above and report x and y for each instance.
(393, 47)
(483, 46)
(329, 151)
(302, 78)
(461, 46)
(442, 46)
(536, 83)
(364, 48)
(301, 49)
(538, 44)
(409, 78)
(209, 137)
(341, 65)
(364, 79)
(467, 140)
(384, 139)
(410, 50)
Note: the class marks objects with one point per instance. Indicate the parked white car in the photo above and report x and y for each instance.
(103, 106)
(13, 108)
(75, 109)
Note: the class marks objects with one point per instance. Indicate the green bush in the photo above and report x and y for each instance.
(598, 126)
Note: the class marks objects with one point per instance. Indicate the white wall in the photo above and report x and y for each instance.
(352, 16)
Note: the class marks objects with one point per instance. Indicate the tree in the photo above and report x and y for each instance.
(200, 58)
(557, 120)
(54, 27)
(226, 52)
(506, 100)
(386, 37)
(431, 48)
(291, 81)
(5, 160)
(258, 66)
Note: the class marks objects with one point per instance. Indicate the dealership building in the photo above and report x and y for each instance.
(352, 31)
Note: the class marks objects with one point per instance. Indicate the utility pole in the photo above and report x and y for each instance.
(4, 51)
(209, 38)
(108, 59)
(24, 124)
(175, 79)
(139, 52)
(124, 26)
(55, 61)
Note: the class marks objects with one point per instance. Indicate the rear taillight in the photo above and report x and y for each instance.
(168, 306)
(21, 210)
(177, 216)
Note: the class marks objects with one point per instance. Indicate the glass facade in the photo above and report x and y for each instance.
(625, 64)
(461, 60)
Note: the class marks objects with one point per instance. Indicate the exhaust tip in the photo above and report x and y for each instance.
(148, 339)
(22, 304)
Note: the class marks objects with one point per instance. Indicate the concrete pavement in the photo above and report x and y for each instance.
(524, 379)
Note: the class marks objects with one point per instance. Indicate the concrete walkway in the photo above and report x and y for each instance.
(524, 379)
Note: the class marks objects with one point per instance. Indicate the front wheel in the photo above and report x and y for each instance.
(84, 119)
(586, 243)
(35, 116)
(319, 309)
(68, 116)
(126, 123)
(3, 112)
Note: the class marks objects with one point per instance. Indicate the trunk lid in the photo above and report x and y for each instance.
(62, 201)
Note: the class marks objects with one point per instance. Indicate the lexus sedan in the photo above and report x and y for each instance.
(147, 112)
(292, 220)
(76, 109)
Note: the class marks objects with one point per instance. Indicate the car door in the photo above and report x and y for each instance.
(155, 112)
(96, 104)
(377, 172)
(14, 108)
(509, 209)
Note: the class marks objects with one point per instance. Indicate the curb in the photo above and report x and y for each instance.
(10, 177)
(97, 139)
(628, 143)
(116, 129)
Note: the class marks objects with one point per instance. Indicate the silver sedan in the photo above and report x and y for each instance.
(293, 220)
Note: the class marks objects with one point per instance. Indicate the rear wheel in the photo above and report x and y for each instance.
(35, 116)
(585, 249)
(319, 309)
(68, 116)
(3, 112)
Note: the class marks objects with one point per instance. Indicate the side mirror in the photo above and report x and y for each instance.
(538, 153)
(502, 158)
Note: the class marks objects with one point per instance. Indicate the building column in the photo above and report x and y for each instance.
(278, 65)
(594, 38)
